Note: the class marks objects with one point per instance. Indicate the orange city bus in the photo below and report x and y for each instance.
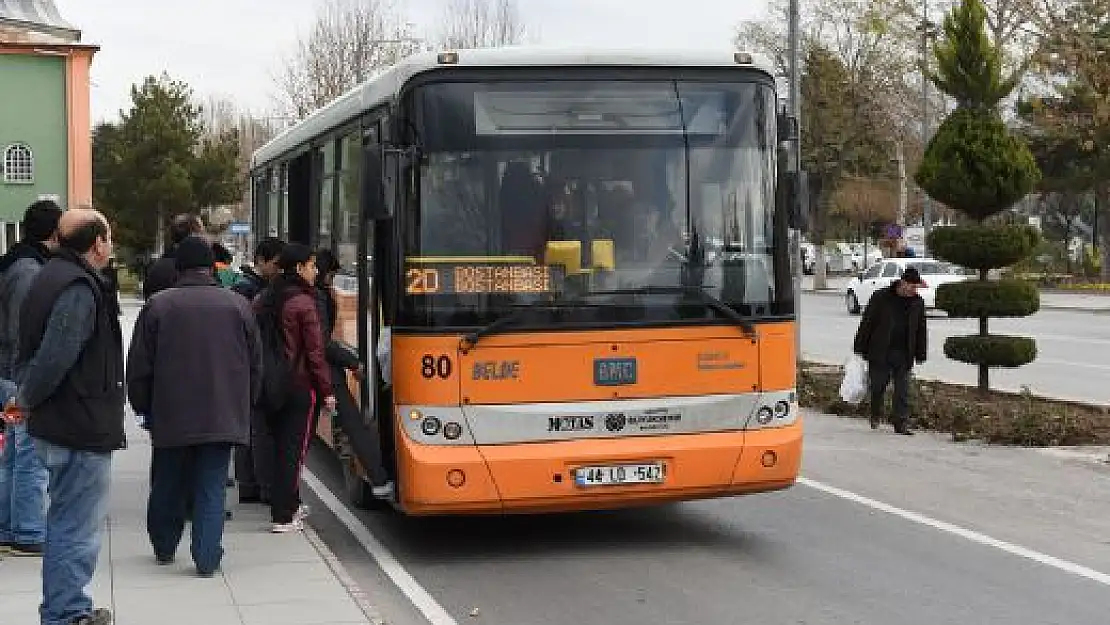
(566, 272)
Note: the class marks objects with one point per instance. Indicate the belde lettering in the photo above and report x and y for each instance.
(496, 370)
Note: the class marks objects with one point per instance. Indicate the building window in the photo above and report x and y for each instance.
(19, 164)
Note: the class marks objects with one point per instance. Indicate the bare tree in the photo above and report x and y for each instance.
(869, 86)
(349, 43)
(218, 115)
(481, 24)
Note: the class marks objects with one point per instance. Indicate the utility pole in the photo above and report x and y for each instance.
(927, 29)
(796, 168)
(903, 195)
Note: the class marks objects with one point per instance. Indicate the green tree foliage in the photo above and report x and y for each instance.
(969, 64)
(984, 247)
(975, 165)
(156, 162)
(843, 133)
(1069, 128)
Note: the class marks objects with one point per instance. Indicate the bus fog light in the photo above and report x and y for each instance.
(415, 415)
(769, 459)
(765, 415)
(452, 430)
(456, 478)
(782, 409)
(430, 426)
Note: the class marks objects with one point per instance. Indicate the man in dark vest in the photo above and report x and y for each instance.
(71, 386)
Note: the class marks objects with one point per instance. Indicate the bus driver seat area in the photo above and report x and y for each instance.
(523, 214)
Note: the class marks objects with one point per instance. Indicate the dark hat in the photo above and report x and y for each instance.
(912, 276)
(194, 252)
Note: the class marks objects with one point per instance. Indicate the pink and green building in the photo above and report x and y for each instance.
(45, 134)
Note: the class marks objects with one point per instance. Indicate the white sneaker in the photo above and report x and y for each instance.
(285, 528)
(301, 514)
(385, 491)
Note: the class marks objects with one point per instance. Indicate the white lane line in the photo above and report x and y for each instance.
(973, 536)
(420, 598)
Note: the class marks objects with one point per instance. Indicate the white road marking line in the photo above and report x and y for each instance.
(420, 598)
(973, 536)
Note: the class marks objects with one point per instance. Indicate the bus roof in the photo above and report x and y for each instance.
(385, 86)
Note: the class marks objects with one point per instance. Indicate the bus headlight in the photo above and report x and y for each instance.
(430, 426)
(452, 431)
(782, 409)
(765, 415)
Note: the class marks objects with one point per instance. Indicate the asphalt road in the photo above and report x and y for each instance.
(800, 556)
(883, 530)
(1073, 359)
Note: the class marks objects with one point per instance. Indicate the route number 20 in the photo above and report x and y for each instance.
(431, 367)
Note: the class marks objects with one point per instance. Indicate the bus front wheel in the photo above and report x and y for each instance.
(358, 489)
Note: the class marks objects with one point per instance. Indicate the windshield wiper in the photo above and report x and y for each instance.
(470, 340)
(710, 302)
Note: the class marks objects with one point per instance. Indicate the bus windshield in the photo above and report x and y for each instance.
(622, 195)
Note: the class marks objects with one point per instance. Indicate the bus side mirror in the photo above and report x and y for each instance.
(790, 198)
(788, 127)
(374, 203)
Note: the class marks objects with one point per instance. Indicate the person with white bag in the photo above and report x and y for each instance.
(853, 388)
(892, 336)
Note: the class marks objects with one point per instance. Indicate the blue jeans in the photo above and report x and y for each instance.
(176, 473)
(22, 489)
(78, 492)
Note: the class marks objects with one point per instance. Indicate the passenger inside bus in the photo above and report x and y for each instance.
(523, 213)
(565, 217)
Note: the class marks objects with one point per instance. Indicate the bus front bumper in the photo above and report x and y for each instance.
(540, 477)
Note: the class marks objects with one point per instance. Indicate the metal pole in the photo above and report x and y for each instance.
(796, 166)
(903, 199)
(926, 201)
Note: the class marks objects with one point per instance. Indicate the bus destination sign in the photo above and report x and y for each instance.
(479, 278)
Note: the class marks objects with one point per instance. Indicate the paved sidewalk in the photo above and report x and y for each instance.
(266, 579)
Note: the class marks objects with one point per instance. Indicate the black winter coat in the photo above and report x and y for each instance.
(195, 364)
(875, 328)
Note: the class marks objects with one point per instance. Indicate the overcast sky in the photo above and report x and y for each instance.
(232, 48)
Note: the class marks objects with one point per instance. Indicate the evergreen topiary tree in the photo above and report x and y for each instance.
(975, 165)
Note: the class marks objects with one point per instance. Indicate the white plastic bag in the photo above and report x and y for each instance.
(853, 389)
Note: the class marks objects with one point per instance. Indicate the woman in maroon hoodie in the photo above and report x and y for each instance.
(292, 299)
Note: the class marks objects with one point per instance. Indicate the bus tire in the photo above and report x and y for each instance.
(358, 490)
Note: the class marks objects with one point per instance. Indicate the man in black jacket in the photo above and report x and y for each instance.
(23, 479)
(891, 337)
(253, 462)
(195, 366)
(255, 278)
(163, 273)
(70, 376)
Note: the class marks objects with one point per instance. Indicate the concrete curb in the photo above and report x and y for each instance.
(1100, 458)
(372, 615)
(1082, 309)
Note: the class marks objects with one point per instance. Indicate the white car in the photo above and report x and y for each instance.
(883, 274)
(874, 255)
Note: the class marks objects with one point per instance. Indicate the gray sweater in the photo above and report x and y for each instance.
(15, 282)
(70, 326)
